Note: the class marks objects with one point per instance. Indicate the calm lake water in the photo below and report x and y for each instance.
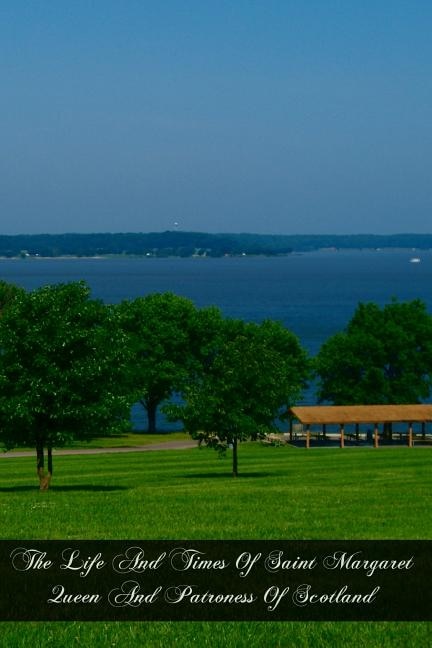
(313, 294)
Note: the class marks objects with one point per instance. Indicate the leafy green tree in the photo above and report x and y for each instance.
(8, 292)
(61, 368)
(165, 335)
(251, 374)
(383, 356)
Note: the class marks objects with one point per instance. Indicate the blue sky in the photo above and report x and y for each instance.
(262, 116)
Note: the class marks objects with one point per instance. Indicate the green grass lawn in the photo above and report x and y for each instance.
(281, 493)
(132, 439)
(126, 440)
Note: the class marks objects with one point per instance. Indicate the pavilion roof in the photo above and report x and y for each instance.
(362, 413)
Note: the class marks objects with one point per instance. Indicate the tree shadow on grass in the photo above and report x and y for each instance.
(64, 489)
(90, 487)
(224, 475)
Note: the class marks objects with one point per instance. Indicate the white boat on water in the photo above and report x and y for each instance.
(415, 260)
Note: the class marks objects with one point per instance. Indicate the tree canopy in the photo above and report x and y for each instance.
(60, 369)
(181, 243)
(383, 356)
(8, 292)
(164, 335)
(251, 374)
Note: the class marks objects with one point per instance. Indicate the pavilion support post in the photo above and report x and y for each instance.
(290, 428)
(357, 431)
(376, 436)
(342, 435)
(308, 436)
(324, 430)
(423, 430)
(410, 435)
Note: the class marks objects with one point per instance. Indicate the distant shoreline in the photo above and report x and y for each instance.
(105, 257)
(196, 244)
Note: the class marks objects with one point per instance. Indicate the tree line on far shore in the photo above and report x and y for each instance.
(186, 244)
(71, 367)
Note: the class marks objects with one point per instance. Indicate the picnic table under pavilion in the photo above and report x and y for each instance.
(373, 415)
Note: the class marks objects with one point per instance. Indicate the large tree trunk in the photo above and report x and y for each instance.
(44, 477)
(235, 461)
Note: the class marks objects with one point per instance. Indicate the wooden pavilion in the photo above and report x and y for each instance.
(343, 415)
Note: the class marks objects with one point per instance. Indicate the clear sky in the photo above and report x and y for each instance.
(287, 116)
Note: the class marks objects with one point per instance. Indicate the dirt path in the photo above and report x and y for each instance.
(167, 445)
